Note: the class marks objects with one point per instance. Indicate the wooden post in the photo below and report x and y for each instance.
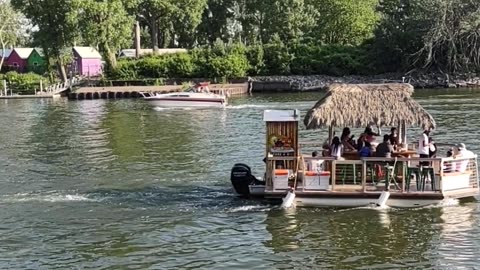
(331, 132)
(403, 128)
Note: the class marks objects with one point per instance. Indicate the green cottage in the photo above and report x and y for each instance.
(36, 61)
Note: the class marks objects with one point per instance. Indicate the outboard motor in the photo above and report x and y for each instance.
(241, 177)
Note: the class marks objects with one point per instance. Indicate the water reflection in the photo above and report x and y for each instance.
(347, 239)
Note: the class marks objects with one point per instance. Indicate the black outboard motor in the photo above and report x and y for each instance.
(241, 177)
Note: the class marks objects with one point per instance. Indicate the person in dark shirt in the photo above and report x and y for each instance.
(394, 140)
(384, 149)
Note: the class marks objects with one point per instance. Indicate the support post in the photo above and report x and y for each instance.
(364, 175)
(331, 132)
(5, 87)
(333, 174)
(404, 134)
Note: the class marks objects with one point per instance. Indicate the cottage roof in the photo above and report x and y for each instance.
(23, 53)
(39, 51)
(87, 52)
(5, 53)
(358, 105)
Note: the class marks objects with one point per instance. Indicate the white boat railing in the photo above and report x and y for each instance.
(405, 175)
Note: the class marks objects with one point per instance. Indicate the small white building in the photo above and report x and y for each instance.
(131, 53)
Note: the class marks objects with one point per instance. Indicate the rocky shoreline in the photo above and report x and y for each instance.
(317, 82)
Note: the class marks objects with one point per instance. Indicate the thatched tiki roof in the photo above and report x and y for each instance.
(358, 105)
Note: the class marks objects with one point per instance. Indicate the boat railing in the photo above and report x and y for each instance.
(406, 175)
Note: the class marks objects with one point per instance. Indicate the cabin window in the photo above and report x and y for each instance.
(35, 63)
(15, 64)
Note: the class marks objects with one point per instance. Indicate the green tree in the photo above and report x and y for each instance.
(10, 23)
(216, 17)
(344, 21)
(158, 16)
(106, 24)
(186, 21)
(262, 20)
(56, 26)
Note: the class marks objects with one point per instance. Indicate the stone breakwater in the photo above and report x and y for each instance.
(317, 82)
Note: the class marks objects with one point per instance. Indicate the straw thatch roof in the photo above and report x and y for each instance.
(358, 105)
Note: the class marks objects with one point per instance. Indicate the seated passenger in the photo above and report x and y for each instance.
(361, 141)
(347, 140)
(464, 154)
(369, 134)
(314, 164)
(394, 140)
(336, 148)
(384, 149)
(448, 165)
(366, 150)
(325, 150)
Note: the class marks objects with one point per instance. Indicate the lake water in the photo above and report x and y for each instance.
(120, 185)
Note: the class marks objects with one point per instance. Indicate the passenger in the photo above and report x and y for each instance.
(423, 148)
(315, 164)
(385, 149)
(366, 150)
(347, 140)
(448, 165)
(369, 134)
(336, 148)
(394, 140)
(325, 150)
(361, 141)
(464, 154)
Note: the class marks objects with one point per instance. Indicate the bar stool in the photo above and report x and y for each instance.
(412, 171)
(426, 172)
(389, 176)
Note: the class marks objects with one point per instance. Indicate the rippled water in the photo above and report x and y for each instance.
(120, 185)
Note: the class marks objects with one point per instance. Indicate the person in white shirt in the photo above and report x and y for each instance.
(336, 148)
(423, 148)
(314, 164)
(464, 154)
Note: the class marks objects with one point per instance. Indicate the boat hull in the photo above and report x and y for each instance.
(160, 102)
(363, 202)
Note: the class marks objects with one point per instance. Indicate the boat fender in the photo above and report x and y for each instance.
(289, 199)
(382, 201)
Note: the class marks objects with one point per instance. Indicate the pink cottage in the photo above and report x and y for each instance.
(18, 59)
(88, 61)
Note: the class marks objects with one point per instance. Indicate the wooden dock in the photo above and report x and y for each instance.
(118, 92)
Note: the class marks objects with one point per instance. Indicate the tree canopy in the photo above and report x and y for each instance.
(396, 35)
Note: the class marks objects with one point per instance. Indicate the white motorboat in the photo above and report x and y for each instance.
(197, 96)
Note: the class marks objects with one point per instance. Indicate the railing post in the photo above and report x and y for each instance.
(334, 173)
(364, 175)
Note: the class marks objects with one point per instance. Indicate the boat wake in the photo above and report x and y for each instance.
(249, 208)
(162, 109)
(37, 197)
(246, 106)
